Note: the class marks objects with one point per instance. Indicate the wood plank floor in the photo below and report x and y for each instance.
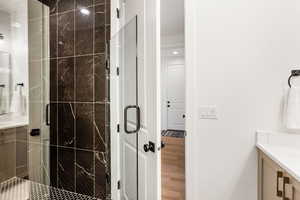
(173, 169)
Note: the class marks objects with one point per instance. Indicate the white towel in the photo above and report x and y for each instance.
(4, 104)
(292, 108)
(18, 107)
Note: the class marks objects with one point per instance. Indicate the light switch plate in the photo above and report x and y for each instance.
(208, 112)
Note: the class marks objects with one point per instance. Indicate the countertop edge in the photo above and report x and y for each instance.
(277, 161)
(13, 125)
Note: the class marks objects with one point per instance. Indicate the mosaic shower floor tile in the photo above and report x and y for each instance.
(21, 189)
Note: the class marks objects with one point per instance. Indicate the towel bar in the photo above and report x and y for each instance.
(293, 73)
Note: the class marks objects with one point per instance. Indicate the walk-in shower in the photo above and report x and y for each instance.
(54, 99)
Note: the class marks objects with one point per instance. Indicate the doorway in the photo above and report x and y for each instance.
(172, 100)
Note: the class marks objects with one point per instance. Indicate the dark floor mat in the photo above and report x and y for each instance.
(173, 133)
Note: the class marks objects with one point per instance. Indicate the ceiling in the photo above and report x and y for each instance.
(172, 17)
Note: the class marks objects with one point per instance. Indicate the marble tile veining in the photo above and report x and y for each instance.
(79, 94)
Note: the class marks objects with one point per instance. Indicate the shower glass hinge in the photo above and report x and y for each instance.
(118, 13)
(119, 185)
(107, 64)
(118, 71)
(118, 128)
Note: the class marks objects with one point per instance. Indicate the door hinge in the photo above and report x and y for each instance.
(107, 64)
(118, 71)
(118, 128)
(118, 13)
(119, 185)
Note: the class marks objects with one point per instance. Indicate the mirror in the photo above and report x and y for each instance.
(5, 82)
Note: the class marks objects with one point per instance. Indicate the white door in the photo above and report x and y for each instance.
(138, 43)
(175, 96)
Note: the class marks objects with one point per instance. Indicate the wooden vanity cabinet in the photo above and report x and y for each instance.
(274, 183)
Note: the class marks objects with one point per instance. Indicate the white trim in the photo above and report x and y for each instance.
(190, 97)
(114, 110)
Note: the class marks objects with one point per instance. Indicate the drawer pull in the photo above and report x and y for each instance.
(286, 181)
(279, 176)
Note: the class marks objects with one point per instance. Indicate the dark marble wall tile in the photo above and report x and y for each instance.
(100, 143)
(85, 172)
(66, 120)
(84, 31)
(52, 6)
(65, 76)
(100, 88)
(53, 80)
(84, 79)
(53, 166)
(66, 5)
(79, 90)
(107, 12)
(84, 126)
(99, 29)
(53, 124)
(100, 175)
(66, 169)
(66, 34)
(53, 36)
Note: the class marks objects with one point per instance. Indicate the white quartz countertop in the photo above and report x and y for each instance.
(13, 125)
(8, 121)
(283, 149)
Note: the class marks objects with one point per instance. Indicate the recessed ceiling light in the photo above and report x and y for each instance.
(175, 52)
(84, 11)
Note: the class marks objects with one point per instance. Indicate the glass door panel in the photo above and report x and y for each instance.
(124, 53)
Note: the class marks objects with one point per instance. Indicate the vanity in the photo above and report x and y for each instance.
(13, 149)
(13, 146)
(278, 166)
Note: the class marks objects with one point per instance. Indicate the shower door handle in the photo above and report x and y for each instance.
(47, 114)
(138, 118)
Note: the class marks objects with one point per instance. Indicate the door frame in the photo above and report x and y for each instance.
(189, 109)
(115, 172)
(164, 111)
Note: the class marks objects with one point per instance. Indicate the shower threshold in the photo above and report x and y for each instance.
(22, 189)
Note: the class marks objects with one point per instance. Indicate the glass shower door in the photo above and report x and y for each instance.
(124, 53)
(39, 92)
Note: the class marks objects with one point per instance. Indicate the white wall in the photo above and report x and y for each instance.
(172, 40)
(239, 54)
